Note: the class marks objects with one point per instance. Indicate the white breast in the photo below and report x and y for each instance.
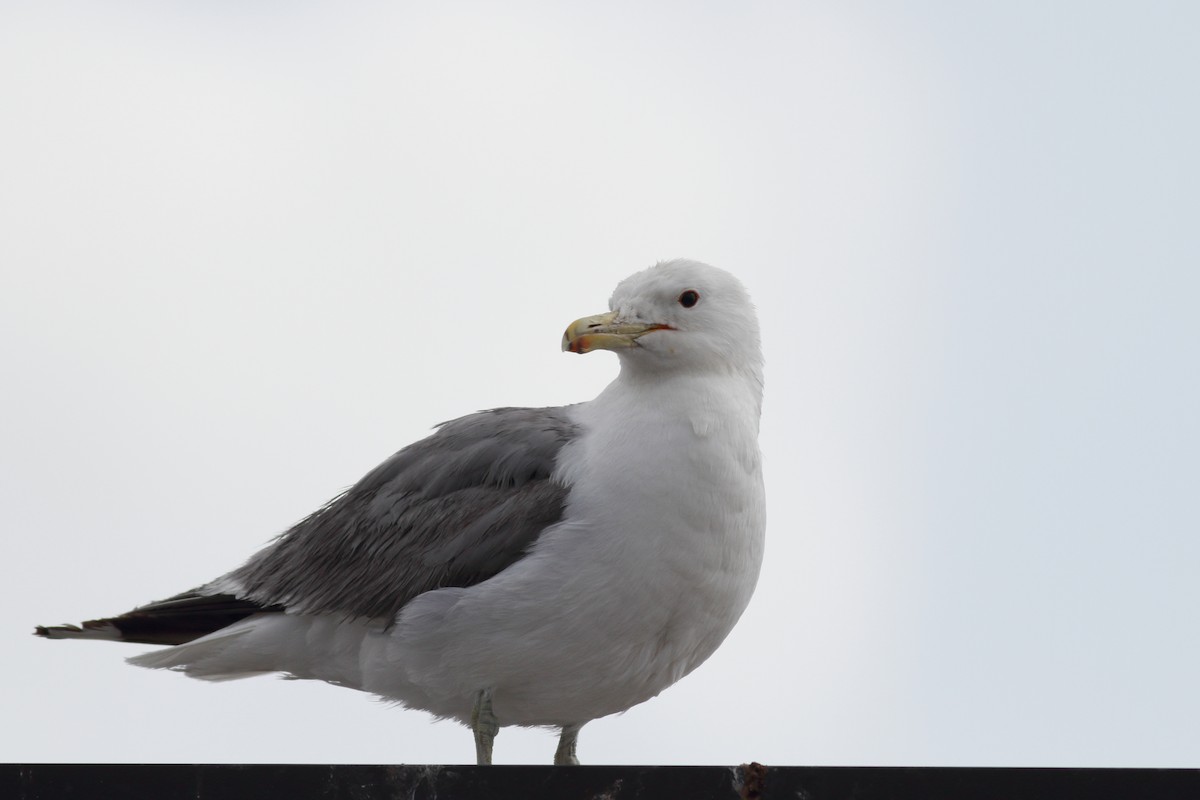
(656, 561)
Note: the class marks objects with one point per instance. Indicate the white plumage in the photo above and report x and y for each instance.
(651, 564)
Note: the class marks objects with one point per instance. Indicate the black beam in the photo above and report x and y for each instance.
(365, 782)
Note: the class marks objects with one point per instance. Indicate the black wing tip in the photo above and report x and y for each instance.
(176, 620)
(92, 629)
(49, 631)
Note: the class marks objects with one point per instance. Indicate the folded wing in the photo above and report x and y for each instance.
(453, 509)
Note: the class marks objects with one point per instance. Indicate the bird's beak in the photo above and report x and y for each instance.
(603, 332)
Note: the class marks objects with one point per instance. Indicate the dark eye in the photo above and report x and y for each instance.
(689, 298)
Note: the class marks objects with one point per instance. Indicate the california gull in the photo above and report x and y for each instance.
(520, 566)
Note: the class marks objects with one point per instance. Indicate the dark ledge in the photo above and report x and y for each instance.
(327, 782)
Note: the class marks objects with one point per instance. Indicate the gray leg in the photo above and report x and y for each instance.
(485, 726)
(565, 754)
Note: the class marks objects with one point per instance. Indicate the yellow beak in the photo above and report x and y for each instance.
(602, 332)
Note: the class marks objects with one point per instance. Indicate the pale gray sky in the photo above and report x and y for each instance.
(250, 249)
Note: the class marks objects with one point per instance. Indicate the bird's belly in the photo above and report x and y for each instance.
(594, 621)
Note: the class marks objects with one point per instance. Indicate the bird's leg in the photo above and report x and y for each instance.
(485, 726)
(565, 754)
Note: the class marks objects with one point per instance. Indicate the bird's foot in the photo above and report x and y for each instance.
(565, 754)
(485, 726)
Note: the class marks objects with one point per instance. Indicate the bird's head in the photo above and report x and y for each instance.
(676, 315)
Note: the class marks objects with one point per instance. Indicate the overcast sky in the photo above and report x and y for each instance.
(250, 249)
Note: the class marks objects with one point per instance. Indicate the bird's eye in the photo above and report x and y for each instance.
(689, 298)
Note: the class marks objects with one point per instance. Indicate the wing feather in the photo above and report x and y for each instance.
(176, 620)
(453, 509)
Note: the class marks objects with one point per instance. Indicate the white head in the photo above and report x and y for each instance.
(676, 315)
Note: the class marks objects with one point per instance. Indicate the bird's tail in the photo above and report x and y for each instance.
(215, 657)
(324, 647)
(219, 637)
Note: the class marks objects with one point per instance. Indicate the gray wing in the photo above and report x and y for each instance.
(453, 509)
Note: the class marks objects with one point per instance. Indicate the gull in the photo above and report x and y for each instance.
(520, 566)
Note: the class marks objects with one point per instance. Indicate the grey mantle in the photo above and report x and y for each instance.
(366, 782)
